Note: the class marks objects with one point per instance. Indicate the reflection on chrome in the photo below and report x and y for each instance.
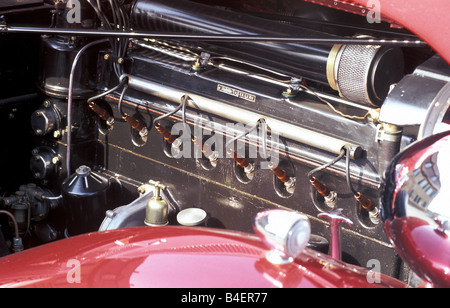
(424, 191)
(286, 233)
(416, 208)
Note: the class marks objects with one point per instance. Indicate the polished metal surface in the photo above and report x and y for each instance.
(335, 218)
(191, 217)
(286, 233)
(352, 71)
(411, 98)
(157, 210)
(416, 209)
(422, 183)
(438, 114)
(211, 37)
(360, 72)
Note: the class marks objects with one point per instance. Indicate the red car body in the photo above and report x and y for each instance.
(427, 19)
(175, 257)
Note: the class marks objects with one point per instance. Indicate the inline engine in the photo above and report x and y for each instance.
(152, 112)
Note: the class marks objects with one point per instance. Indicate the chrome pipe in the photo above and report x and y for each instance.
(212, 37)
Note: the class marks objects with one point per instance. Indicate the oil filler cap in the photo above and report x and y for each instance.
(191, 217)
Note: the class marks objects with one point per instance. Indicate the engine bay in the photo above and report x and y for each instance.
(230, 107)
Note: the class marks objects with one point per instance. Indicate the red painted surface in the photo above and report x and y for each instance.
(427, 19)
(424, 248)
(173, 257)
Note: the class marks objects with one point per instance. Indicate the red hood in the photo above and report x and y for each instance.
(427, 19)
(172, 257)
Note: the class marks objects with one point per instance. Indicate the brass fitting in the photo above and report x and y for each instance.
(157, 210)
(197, 66)
(289, 93)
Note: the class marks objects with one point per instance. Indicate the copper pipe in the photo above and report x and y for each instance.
(16, 227)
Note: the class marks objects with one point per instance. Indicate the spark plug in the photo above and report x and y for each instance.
(136, 125)
(369, 206)
(330, 197)
(206, 149)
(165, 133)
(248, 167)
(281, 174)
(175, 142)
(102, 113)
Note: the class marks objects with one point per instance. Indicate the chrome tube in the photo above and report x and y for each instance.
(70, 101)
(212, 37)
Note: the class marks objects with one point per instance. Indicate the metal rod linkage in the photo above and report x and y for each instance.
(215, 38)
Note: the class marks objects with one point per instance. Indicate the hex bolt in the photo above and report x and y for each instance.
(56, 160)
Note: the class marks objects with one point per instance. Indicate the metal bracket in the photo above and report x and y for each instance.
(388, 132)
(133, 214)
